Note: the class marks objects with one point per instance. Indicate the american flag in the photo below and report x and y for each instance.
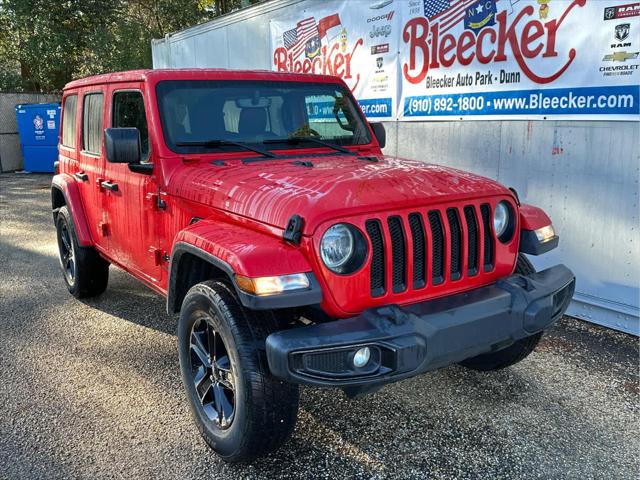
(447, 13)
(296, 38)
(434, 7)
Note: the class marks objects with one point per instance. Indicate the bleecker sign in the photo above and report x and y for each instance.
(330, 61)
(526, 59)
(355, 41)
(487, 46)
(483, 59)
(298, 53)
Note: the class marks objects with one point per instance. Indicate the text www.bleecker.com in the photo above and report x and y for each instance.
(601, 100)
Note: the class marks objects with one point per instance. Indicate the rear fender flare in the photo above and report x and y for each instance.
(67, 186)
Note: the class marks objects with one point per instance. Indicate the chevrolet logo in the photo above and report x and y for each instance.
(620, 56)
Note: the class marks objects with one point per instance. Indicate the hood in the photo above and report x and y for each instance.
(333, 186)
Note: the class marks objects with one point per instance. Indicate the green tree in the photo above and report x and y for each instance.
(46, 43)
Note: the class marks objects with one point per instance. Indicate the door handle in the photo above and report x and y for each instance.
(109, 186)
(83, 177)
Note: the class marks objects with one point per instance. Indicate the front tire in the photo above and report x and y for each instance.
(515, 353)
(240, 409)
(85, 272)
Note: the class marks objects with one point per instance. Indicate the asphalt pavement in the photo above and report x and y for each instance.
(91, 389)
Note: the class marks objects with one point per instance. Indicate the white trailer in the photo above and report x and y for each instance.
(583, 173)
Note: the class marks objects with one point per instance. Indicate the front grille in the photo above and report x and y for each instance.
(456, 243)
(488, 237)
(448, 240)
(419, 250)
(398, 254)
(472, 244)
(377, 267)
(437, 247)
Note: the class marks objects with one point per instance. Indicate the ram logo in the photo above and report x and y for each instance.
(622, 31)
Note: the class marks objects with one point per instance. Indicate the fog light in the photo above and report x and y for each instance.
(361, 358)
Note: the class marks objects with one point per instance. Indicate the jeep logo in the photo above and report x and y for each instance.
(381, 31)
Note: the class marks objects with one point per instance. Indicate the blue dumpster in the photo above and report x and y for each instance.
(38, 126)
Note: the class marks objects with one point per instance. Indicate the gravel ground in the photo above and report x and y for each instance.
(91, 389)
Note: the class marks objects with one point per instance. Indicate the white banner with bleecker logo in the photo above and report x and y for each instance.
(354, 40)
(475, 59)
(510, 59)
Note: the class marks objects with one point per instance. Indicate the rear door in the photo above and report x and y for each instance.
(132, 209)
(89, 167)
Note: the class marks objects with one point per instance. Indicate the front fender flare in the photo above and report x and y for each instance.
(235, 249)
(68, 187)
(531, 219)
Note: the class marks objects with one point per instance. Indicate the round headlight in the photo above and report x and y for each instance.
(336, 246)
(500, 219)
(503, 221)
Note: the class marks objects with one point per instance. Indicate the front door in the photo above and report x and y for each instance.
(131, 197)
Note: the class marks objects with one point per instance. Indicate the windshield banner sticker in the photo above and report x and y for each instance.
(476, 59)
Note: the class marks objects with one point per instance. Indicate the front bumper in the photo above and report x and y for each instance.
(407, 341)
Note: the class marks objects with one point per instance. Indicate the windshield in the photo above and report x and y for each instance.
(196, 113)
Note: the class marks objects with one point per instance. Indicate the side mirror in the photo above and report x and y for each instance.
(380, 133)
(122, 145)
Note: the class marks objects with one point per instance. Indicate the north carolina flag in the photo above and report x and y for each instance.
(481, 14)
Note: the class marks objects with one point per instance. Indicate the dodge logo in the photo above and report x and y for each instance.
(622, 31)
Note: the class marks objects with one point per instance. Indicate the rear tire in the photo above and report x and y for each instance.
(515, 353)
(240, 409)
(85, 272)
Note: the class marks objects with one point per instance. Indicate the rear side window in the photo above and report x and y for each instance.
(92, 123)
(69, 126)
(128, 111)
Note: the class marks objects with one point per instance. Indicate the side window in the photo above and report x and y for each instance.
(92, 123)
(128, 111)
(70, 116)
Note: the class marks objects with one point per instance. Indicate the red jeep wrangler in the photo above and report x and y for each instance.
(261, 206)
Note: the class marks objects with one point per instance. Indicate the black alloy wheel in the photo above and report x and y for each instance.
(212, 374)
(67, 253)
(85, 272)
(240, 409)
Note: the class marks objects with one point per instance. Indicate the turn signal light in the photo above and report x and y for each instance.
(545, 234)
(272, 285)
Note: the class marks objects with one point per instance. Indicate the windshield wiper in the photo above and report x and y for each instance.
(224, 143)
(298, 140)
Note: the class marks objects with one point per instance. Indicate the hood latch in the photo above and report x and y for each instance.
(293, 232)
